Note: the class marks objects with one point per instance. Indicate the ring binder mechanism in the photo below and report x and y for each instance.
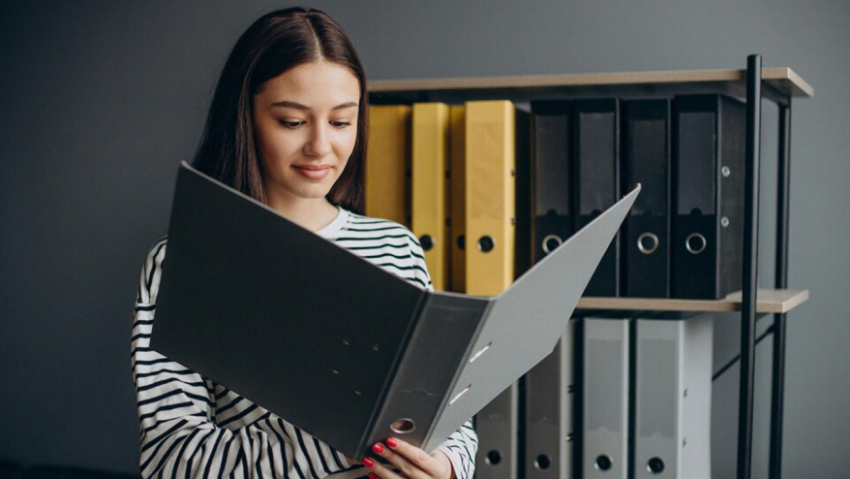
(244, 301)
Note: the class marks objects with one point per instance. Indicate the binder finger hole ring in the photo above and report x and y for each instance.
(403, 426)
(542, 462)
(604, 463)
(486, 244)
(655, 465)
(647, 243)
(695, 243)
(551, 242)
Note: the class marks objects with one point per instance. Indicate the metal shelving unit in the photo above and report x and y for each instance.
(779, 85)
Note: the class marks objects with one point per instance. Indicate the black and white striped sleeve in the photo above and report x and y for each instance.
(462, 445)
(177, 414)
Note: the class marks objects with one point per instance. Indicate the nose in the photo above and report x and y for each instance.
(318, 144)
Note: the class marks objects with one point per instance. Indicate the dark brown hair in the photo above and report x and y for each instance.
(275, 43)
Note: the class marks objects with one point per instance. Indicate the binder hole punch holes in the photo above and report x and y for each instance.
(486, 244)
(542, 462)
(403, 426)
(551, 242)
(493, 458)
(480, 352)
(427, 242)
(604, 463)
(458, 395)
(655, 465)
(695, 243)
(647, 243)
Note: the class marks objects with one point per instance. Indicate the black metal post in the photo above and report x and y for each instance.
(750, 279)
(779, 325)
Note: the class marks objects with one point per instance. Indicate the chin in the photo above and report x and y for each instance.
(314, 194)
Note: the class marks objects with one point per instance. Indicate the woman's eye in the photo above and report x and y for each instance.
(340, 124)
(291, 123)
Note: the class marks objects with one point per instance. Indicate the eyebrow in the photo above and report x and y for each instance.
(299, 106)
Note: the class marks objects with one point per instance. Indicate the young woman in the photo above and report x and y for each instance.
(287, 126)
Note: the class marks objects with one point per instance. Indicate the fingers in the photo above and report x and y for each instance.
(405, 452)
(411, 462)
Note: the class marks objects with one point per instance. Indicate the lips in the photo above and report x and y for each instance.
(313, 172)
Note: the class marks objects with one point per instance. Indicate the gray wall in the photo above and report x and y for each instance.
(99, 101)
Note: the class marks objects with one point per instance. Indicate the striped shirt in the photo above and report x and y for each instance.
(193, 427)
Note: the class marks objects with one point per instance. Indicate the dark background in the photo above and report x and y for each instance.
(99, 102)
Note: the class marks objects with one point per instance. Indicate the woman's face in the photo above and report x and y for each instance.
(305, 127)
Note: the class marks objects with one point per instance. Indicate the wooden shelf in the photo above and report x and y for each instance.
(769, 301)
(784, 81)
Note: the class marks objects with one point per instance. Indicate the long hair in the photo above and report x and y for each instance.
(272, 45)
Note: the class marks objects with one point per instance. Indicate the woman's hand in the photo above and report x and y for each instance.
(410, 461)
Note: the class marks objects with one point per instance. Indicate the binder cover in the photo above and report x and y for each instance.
(673, 398)
(709, 164)
(386, 188)
(597, 177)
(339, 347)
(646, 249)
(430, 160)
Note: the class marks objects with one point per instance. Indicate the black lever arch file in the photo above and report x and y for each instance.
(337, 346)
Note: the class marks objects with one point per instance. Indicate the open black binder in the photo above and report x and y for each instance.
(337, 346)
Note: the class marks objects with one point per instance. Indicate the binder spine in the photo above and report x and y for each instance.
(552, 176)
(498, 425)
(457, 216)
(597, 177)
(386, 188)
(430, 156)
(423, 380)
(490, 196)
(708, 197)
(673, 398)
(646, 160)
(605, 402)
(549, 407)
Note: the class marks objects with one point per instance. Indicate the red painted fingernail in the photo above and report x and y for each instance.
(372, 475)
(378, 448)
(392, 442)
(368, 462)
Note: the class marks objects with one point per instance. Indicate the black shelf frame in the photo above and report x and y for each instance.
(756, 90)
